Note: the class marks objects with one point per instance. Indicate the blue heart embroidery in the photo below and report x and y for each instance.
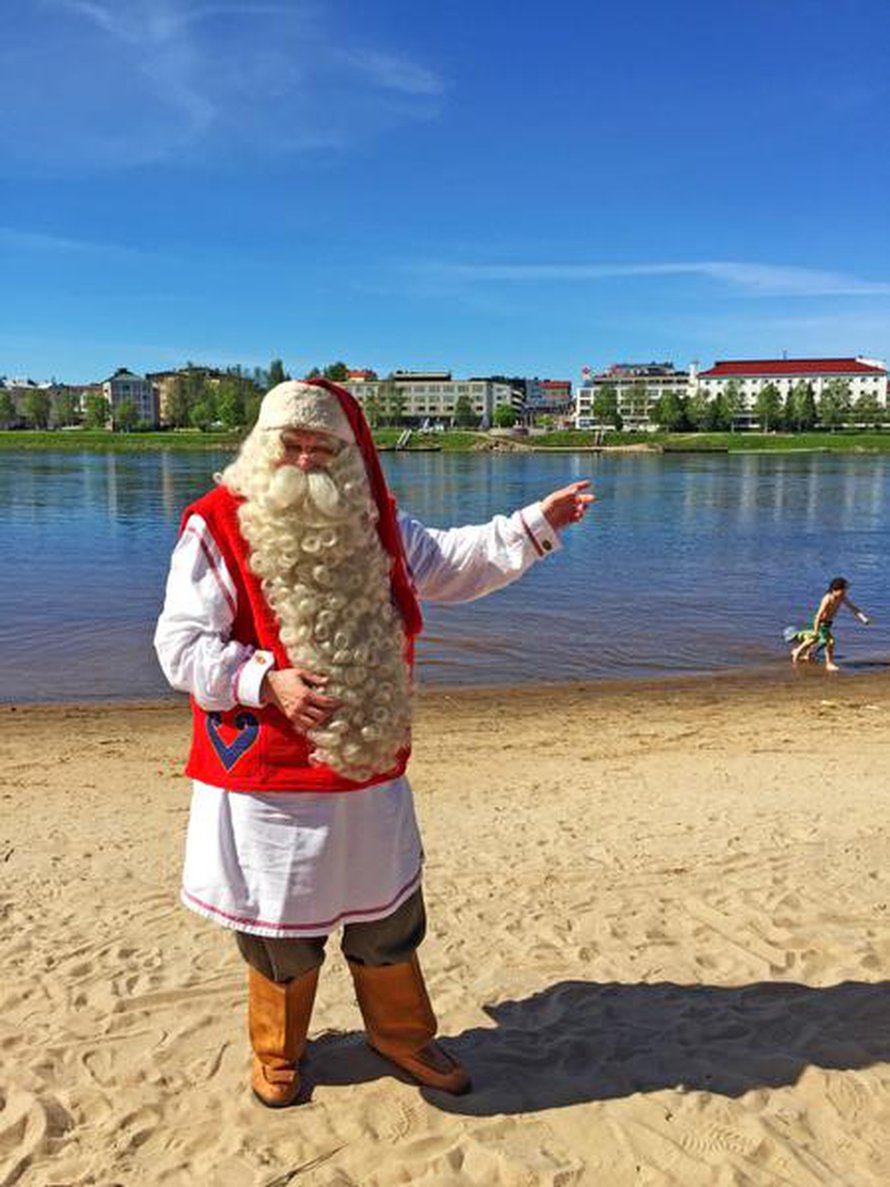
(230, 752)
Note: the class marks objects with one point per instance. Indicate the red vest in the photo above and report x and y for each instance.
(248, 749)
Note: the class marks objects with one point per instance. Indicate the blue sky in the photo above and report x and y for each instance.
(457, 185)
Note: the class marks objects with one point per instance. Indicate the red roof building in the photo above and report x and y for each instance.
(864, 378)
(799, 368)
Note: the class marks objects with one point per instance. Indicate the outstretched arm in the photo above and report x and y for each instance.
(461, 564)
(863, 618)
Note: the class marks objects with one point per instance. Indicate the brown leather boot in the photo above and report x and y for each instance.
(401, 1024)
(278, 1021)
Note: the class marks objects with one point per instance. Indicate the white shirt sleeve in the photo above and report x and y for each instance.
(192, 638)
(460, 564)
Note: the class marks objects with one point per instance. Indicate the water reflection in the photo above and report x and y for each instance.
(687, 563)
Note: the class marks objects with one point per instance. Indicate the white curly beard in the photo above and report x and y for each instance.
(313, 542)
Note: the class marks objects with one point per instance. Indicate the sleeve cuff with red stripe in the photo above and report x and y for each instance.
(538, 531)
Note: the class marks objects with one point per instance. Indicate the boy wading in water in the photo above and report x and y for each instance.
(819, 635)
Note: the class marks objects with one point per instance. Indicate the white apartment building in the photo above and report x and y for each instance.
(638, 387)
(865, 377)
(124, 386)
(426, 398)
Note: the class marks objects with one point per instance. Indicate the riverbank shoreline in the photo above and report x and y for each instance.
(467, 441)
(733, 682)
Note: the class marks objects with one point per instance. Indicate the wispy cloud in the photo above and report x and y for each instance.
(157, 21)
(749, 279)
(164, 48)
(129, 82)
(393, 73)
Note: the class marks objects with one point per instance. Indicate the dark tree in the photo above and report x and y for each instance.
(66, 409)
(372, 406)
(8, 415)
(336, 372)
(702, 411)
(230, 402)
(834, 403)
(768, 406)
(276, 373)
(37, 408)
(670, 412)
(867, 411)
(729, 405)
(95, 412)
(605, 405)
(464, 416)
(800, 408)
(125, 417)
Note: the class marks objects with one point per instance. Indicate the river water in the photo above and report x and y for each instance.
(688, 563)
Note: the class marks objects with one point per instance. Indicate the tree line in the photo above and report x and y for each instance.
(799, 411)
(205, 398)
(199, 398)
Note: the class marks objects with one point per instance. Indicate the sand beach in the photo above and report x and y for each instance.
(660, 938)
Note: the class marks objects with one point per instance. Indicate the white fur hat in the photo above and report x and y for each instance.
(296, 405)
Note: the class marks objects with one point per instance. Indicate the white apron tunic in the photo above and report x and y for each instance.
(292, 864)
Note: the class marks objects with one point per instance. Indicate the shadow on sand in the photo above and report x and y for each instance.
(581, 1041)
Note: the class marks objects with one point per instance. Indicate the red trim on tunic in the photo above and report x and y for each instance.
(214, 566)
(300, 926)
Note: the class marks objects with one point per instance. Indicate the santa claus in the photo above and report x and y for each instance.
(290, 617)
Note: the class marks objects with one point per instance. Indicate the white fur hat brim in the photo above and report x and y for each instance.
(296, 405)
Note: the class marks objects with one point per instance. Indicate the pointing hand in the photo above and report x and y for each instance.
(568, 505)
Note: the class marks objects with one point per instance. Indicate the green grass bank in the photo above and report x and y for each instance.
(93, 440)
